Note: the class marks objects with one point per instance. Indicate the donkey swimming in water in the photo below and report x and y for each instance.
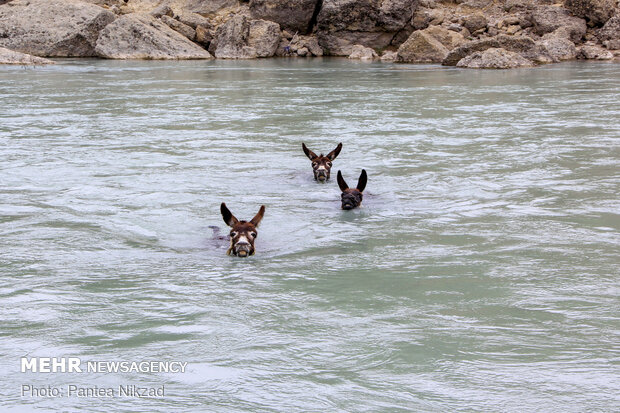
(242, 233)
(321, 165)
(352, 197)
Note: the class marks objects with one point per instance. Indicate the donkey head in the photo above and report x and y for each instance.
(242, 233)
(352, 197)
(321, 165)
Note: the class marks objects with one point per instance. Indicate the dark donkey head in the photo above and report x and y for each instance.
(321, 165)
(352, 197)
(243, 233)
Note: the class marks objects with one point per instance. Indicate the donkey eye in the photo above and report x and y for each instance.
(329, 164)
(233, 233)
(314, 164)
(253, 234)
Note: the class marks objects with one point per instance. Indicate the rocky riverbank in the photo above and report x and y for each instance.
(463, 33)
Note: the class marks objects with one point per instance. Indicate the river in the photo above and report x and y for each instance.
(480, 274)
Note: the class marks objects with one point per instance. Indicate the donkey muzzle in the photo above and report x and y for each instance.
(243, 249)
(350, 201)
(322, 174)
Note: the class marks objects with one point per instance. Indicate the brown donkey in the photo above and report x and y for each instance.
(352, 197)
(321, 165)
(243, 233)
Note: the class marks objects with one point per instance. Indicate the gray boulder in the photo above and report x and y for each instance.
(596, 12)
(494, 58)
(363, 53)
(612, 44)
(611, 30)
(547, 19)
(450, 39)
(179, 27)
(371, 23)
(558, 47)
(389, 56)
(242, 38)
(162, 10)
(231, 40)
(294, 15)
(52, 28)
(193, 20)
(475, 22)
(11, 57)
(141, 36)
(312, 44)
(421, 47)
(264, 36)
(593, 52)
(522, 45)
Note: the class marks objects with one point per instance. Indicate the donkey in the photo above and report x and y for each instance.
(243, 233)
(321, 165)
(352, 197)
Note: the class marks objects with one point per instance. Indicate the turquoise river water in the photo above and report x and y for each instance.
(481, 273)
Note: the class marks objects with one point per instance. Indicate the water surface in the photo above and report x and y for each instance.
(481, 273)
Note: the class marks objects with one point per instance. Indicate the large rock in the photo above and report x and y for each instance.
(450, 39)
(389, 56)
(162, 10)
(421, 47)
(193, 20)
(494, 58)
(596, 12)
(141, 36)
(523, 45)
(11, 57)
(547, 19)
(231, 40)
(611, 29)
(53, 28)
(179, 27)
(242, 38)
(294, 15)
(475, 22)
(612, 44)
(593, 52)
(558, 47)
(312, 44)
(422, 18)
(363, 53)
(264, 36)
(371, 23)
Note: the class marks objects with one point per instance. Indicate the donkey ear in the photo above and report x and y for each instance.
(361, 183)
(333, 154)
(258, 217)
(341, 183)
(311, 155)
(229, 218)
